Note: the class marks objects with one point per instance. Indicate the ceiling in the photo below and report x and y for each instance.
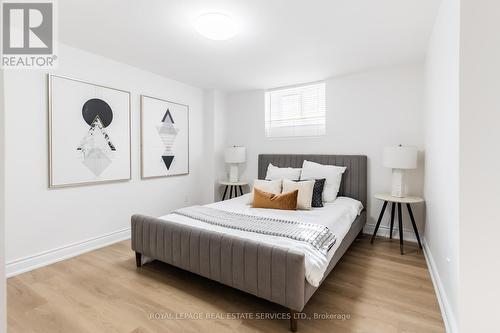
(281, 42)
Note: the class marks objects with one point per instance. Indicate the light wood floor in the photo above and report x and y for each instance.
(102, 291)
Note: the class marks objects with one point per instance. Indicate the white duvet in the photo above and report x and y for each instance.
(338, 216)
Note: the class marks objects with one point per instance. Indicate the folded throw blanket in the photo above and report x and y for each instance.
(319, 236)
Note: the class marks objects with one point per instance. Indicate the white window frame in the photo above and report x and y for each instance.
(303, 125)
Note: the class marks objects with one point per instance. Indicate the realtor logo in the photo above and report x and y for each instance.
(28, 34)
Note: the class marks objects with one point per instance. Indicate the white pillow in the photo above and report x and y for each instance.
(273, 172)
(332, 174)
(270, 186)
(304, 199)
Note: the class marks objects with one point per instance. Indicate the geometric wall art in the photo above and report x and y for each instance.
(164, 138)
(89, 133)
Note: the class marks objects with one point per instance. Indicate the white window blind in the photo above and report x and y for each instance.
(297, 111)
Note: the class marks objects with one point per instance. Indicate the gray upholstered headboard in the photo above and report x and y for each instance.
(354, 178)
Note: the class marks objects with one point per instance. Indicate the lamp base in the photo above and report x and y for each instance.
(398, 183)
(233, 173)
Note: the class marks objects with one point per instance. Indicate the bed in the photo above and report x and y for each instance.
(257, 265)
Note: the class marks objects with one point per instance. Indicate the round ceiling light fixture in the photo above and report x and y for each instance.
(216, 26)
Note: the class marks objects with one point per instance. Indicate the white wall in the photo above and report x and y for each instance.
(209, 124)
(44, 225)
(365, 112)
(479, 166)
(215, 128)
(442, 157)
(3, 308)
(220, 133)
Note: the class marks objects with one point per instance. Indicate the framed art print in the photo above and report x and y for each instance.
(164, 138)
(89, 133)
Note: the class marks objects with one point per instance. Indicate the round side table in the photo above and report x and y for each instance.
(386, 198)
(232, 187)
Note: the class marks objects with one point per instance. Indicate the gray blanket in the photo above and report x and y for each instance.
(319, 236)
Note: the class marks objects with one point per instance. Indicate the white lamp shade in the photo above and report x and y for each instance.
(235, 154)
(400, 157)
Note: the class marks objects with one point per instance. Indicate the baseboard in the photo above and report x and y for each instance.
(384, 231)
(29, 263)
(446, 311)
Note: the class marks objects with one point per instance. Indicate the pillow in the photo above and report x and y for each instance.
(317, 197)
(285, 201)
(274, 172)
(305, 189)
(270, 186)
(332, 174)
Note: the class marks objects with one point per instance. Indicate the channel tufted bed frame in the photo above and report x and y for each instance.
(274, 273)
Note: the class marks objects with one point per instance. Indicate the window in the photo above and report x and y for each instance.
(296, 111)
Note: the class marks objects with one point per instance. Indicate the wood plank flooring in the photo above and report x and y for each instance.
(372, 289)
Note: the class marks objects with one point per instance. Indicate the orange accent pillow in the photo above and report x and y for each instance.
(285, 201)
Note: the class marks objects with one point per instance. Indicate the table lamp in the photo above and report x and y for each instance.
(233, 156)
(400, 158)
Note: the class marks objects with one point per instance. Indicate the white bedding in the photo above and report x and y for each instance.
(337, 216)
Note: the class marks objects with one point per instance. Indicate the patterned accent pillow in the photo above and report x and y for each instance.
(317, 198)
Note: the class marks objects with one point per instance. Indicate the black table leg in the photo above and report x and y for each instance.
(241, 190)
(392, 218)
(224, 195)
(378, 221)
(230, 191)
(413, 224)
(400, 218)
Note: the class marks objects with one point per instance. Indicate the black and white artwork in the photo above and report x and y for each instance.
(89, 133)
(165, 138)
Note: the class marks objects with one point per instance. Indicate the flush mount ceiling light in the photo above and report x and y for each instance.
(216, 26)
